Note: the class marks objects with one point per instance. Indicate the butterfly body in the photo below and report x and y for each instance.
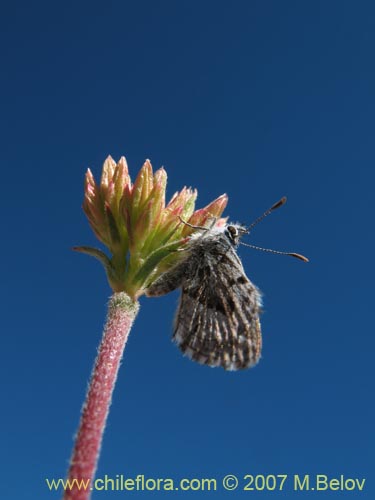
(217, 321)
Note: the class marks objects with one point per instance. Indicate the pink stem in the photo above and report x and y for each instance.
(121, 314)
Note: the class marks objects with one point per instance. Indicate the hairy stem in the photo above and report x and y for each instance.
(121, 314)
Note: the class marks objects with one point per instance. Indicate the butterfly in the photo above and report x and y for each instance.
(218, 318)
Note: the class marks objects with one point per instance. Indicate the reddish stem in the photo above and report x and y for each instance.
(121, 314)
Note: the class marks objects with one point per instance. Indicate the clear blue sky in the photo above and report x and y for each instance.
(258, 99)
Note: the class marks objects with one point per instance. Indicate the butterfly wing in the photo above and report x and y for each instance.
(217, 322)
(168, 281)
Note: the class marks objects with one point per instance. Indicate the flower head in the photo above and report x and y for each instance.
(142, 233)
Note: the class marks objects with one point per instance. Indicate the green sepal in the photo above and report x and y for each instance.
(148, 267)
(113, 279)
(113, 231)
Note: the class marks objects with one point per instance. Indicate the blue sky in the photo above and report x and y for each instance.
(258, 99)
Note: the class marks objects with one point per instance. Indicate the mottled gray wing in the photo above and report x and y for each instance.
(217, 322)
(169, 281)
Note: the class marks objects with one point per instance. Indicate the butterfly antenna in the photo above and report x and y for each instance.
(267, 212)
(292, 254)
(194, 227)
